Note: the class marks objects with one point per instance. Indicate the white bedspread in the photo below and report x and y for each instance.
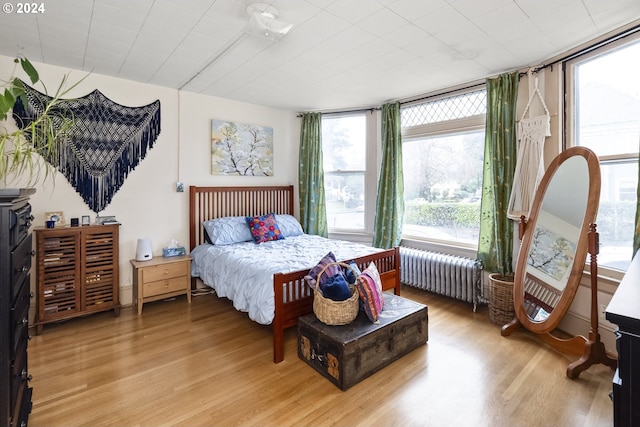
(243, 272)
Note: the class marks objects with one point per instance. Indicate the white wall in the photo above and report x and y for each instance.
(147, 204)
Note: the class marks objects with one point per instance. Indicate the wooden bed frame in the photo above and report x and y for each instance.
(293, 298)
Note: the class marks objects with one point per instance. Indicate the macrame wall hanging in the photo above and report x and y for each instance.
(532, 132)
(106, 142)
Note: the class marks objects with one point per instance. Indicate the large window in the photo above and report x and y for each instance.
(344, 143)
(606, 118)
(442, 151)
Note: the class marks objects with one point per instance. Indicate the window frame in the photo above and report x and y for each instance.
(569, 78)
(569, 140)
(370, 177)
(439, 129)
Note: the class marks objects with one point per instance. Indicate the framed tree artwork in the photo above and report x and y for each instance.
(554, 246)
(241, 149)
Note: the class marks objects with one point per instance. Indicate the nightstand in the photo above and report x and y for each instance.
(161, 278)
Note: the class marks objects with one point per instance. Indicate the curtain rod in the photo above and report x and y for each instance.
(371, 109)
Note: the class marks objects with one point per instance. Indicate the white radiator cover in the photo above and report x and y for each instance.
(449, 275)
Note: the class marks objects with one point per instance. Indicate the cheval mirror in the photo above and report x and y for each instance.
(555, 241)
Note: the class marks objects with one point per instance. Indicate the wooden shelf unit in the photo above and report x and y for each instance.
(78, 272)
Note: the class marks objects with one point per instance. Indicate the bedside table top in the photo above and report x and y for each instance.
(159, 261)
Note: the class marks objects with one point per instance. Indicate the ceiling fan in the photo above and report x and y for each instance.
(263, 22)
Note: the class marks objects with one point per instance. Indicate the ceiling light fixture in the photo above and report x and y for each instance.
(263, 22)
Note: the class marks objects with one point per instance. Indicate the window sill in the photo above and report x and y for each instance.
(352, 236)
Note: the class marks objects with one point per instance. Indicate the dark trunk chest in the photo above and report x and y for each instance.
(347, 354)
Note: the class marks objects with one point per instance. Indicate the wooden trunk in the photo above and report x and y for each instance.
(346, 355)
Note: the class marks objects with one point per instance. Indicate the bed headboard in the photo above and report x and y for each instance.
(215, 202)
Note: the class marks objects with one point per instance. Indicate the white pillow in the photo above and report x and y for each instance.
(234, 229)
(289, 225)
(227, 230)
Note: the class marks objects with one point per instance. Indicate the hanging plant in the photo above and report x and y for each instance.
(24, 149)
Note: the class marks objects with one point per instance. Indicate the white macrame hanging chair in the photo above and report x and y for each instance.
(531, 132)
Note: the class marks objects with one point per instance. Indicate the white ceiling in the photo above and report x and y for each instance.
(340, 54)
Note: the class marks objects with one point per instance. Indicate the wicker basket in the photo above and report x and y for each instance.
(332, 312)
(501, 309)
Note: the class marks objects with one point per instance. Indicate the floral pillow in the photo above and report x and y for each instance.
(264, 228)
(370, 289)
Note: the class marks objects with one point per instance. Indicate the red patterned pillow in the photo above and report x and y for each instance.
(264, 228)
(370, 289)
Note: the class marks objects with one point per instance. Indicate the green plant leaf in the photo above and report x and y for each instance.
(6, 103)
(9, 96)
(30, 70)
(17, 87)
(17, 90)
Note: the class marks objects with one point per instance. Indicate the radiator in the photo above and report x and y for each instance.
(449, 275)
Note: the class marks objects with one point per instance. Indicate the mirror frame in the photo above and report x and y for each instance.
(573, 281)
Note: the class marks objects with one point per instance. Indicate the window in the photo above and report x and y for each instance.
(606, 118)
(442, 151)
(344, 143)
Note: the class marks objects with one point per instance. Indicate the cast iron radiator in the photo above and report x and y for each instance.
(450, 275)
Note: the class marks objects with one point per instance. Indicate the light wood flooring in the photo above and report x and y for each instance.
(208, 365)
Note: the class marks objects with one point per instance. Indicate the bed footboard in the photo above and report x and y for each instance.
(293, 298)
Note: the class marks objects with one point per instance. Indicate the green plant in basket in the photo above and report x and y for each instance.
(23, 149)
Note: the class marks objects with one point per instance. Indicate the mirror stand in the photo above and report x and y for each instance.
(575, 345)
(594, 350)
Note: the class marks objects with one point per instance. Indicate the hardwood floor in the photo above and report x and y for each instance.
(208, 365)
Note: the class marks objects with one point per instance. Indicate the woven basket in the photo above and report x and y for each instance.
(332, 312)
(501, 309)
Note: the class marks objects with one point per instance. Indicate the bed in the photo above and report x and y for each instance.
(292, 297)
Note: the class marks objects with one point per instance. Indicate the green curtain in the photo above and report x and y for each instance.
(636, 236)
(495, 244)
(387, 231)
(313, 210)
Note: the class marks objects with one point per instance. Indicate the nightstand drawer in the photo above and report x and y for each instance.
(164, 271)
(164, 286)
(161, 278)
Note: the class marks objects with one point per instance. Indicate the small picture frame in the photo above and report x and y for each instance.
(57, 217)
(86, 220)
(100, 220)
